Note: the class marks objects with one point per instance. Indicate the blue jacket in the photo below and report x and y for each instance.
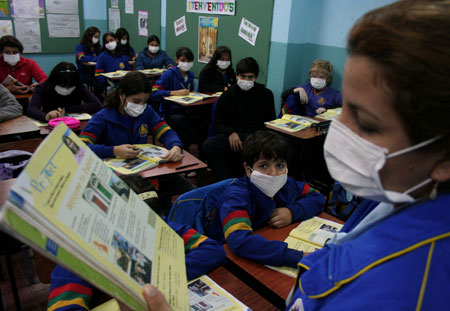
(171, 80)
(72, 293)
(107, 62)
(145, 61)
(243, 208)
(83, 56)
(400, 263)
(108, 128)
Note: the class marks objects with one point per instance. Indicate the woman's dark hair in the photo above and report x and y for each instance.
(10, 41)
(119, 49)
(133, 83)
(126, 49)
(66, 75)
(247, 65)
(153, 38)
(218, 53)
(87, 39)
(267, 144)
(186, 52)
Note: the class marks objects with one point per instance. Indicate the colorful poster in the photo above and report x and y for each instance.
(180, 26)
(143, 23)
(6, 28)
(207, 37)
(3, 8)
(218, 7)
(248, 31)
(25, 8)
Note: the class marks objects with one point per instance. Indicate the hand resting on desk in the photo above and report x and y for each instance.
(174, 154)
(280, 217)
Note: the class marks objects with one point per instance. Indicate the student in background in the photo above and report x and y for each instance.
(316, 96)
(124, 40)
(126, 120)
(62, 93)
(9, 107)
(87, 51)
(241, 110)
(110, 59)
(24, 70)
(264, 196)
(152, 56)
(218, 74)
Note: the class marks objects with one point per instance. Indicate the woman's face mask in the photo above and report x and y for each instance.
(111, 46)
(64, 91)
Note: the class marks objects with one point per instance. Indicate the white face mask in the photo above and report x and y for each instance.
(123, 42)
(153, 49)
(111, 46)
(12, 60)
(245, 85)
(222, 64)
(318, 83)
(269, 185)
(185, 66)
(64, 91)
(94, 40)
(355, 163)
(134, 110)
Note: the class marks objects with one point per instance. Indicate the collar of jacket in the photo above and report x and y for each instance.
(112, 115)
(18, 65)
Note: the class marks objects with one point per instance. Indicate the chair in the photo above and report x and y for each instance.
(212, 120)
(196, 207)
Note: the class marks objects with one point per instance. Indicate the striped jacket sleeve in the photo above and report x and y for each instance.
(161, 87)
(91, 134)
(99, 69)
(308, 203)
(163, 133)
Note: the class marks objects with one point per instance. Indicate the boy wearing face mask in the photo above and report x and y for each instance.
(240, 111)
(264, 196)
(316, 96)
(24, 70)
(218, 74)
(63, 92)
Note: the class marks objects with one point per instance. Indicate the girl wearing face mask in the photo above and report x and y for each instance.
(22, 69)
(126, 120)
(316, 96)
(110, 59)
(63, 92)
(124, 40)
(87, 51)
(152, 56)
(218, 73)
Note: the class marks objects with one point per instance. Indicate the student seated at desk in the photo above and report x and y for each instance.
(240, 111)
(123, 37)
(127, 119)
(87, 51)
(218, 74)
(69, 293)
(62, 93)
(153, 57)
(264, 196)
(110, 59)
(316, 96)
(9, 106)
(24, 70)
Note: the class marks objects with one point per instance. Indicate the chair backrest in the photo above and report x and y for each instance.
(212, 120)
(196, 207)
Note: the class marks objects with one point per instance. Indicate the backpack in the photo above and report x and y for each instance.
(12, 162)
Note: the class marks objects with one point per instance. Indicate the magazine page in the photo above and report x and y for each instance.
(286, 125)
(152, 153)
(316, 230)
(153, 71)
(115, 74)
(78, 116)
(299, 119)
(193, 97)
(67, 185)
(205, 294)
(330, 114)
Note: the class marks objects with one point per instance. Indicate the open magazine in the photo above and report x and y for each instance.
(150, 156)
(291, 123)
(193, 97)
(153, 71)
(330, 114)
(72, 208)
(309, 236)
(78, 116)
(115, 74)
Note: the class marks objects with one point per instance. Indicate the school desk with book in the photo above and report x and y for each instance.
(193, 98)
(291, 123)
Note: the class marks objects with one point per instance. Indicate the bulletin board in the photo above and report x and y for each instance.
(130, 21)
(259, 12)
(54, 45)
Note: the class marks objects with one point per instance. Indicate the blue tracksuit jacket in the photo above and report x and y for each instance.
(108, 128)
(107, 62)
(145, 61)
(400, 263)
(83, 56)
(243, 208)
(171, 80)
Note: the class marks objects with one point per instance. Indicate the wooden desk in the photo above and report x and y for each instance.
(45, 130)
(29, 145)
(18, 126)
(22, 96)
(306, 133)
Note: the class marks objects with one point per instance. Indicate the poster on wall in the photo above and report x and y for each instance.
(62, 6)
(143, 23)
(115, 4)
(129, 6)
(3, 8)
(207, 37)
(248, 31)
(63, 26)
(6, 28)
(114, 19)
(180, 26)
(219, 7)
(28, 32)
(26, 8)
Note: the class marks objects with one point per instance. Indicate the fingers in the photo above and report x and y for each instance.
(155, 300)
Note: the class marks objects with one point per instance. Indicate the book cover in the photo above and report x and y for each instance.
(193, 97)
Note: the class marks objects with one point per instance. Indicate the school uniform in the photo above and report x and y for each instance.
(84, 56)
(108, 62)
(160, 60)
(9, 107)
(68, 292)
(211, 80)
(243, 208)
(129, 51)
(25, 71)
(44, 101)
(109, 128)
(328, 98)
(396, 262)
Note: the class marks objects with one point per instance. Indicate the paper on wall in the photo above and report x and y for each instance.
(3, 8)
(62, 6)
(63, 26)
(143, 23)
(115, 4)
(6, 28)
(129, 6)
(180, 26)
(25, 8)
(114, 19)
(28, 31)
(248, 31)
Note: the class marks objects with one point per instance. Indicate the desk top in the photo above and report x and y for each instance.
(29, 145)
(17, 126)
(206, 101)
(20, 96)
(45, 130)
(306, 133)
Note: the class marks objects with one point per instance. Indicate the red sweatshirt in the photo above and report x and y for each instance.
(25, 71)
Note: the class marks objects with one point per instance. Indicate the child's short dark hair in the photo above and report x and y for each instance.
(246, 65)
(186, 52)
(153, 38)
(10, 41)
(266, 144)
(133, 83)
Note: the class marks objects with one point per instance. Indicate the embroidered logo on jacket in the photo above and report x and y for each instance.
(143, 130)
(297, 306)
(321, 101)
(122, 65)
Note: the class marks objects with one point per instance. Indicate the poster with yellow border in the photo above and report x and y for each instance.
(207, 37)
